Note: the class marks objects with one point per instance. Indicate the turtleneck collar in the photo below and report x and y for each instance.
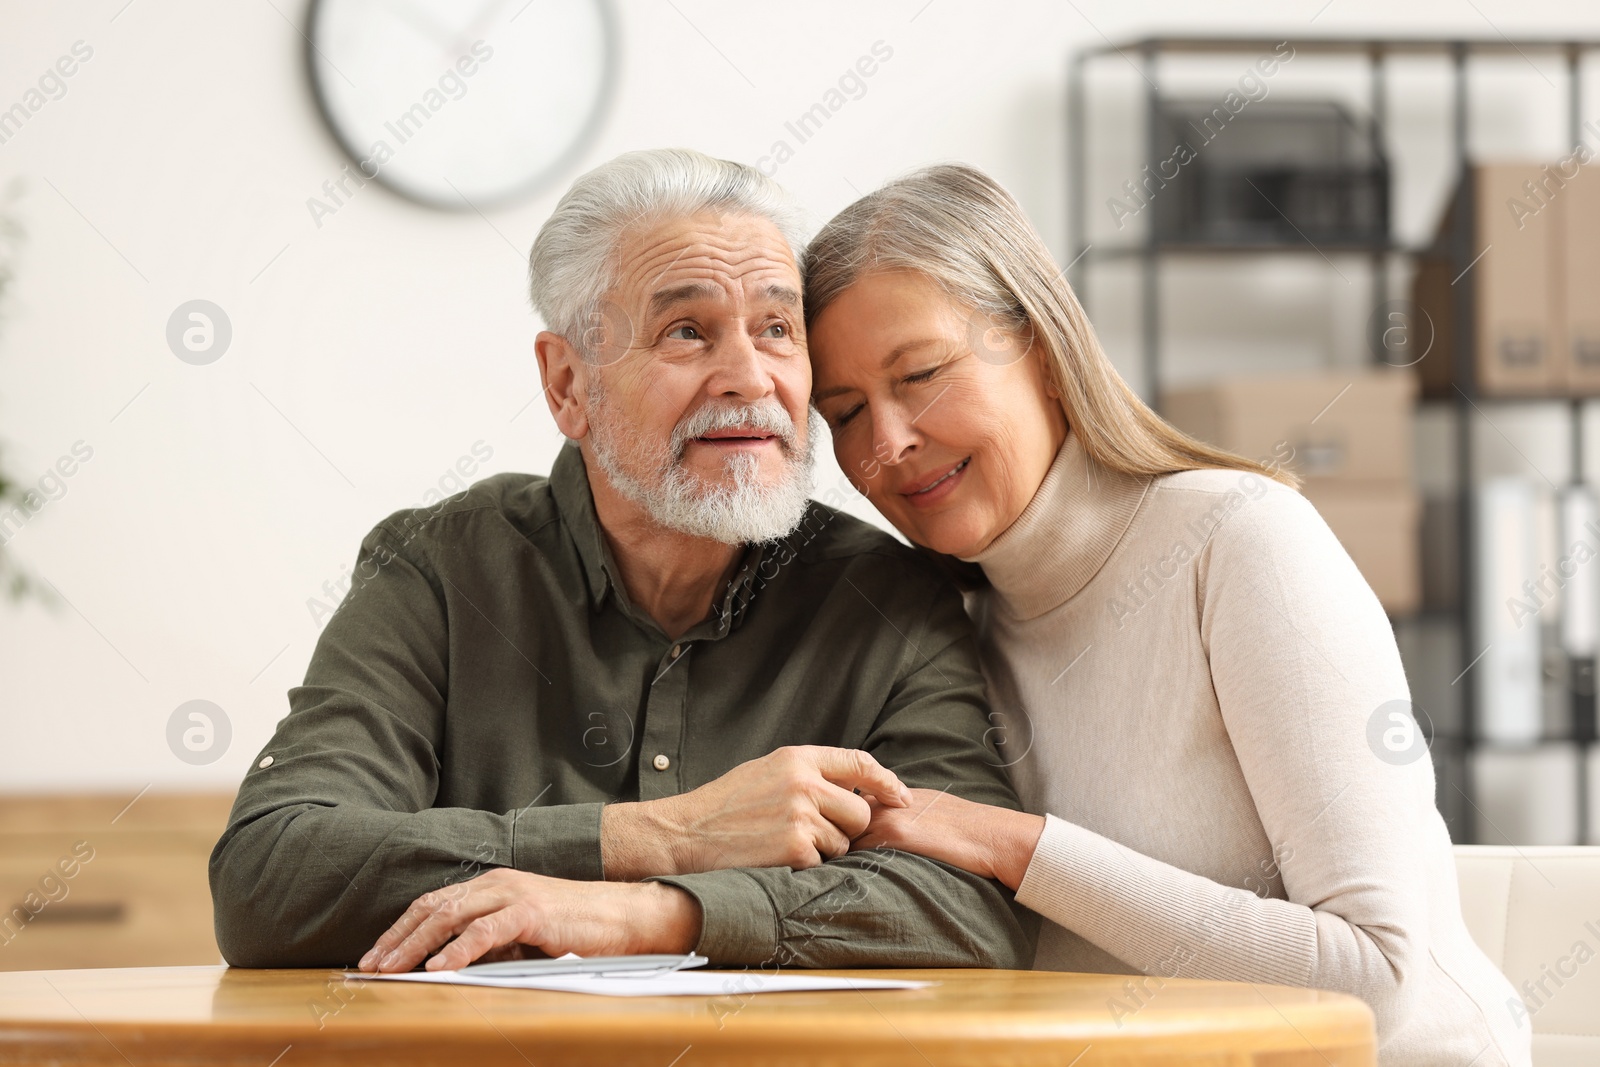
(1064, 536)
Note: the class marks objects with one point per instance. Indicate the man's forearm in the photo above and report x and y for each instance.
(674, 920)
(312, 884)
(639, 839)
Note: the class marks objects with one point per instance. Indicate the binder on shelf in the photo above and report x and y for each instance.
(1578, 573)
(1575, 571)
(1592, 761)
(1508, 671)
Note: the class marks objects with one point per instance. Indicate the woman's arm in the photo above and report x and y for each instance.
(1301, 655)
(995, 842)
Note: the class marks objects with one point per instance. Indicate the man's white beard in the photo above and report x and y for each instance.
(676, 498)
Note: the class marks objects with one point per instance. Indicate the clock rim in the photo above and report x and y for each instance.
(531, 186)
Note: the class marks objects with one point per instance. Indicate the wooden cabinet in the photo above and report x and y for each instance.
(94, 881)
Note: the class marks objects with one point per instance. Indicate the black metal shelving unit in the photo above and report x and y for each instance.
(1459, 244)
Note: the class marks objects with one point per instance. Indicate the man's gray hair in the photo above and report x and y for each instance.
(574, 258)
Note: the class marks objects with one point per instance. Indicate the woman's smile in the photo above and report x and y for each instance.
(929, 490)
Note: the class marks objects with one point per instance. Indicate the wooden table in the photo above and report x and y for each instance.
(197, 1015)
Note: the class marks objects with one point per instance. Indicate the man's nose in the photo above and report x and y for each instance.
(740, 370)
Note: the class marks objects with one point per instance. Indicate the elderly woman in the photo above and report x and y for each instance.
(1189, 658)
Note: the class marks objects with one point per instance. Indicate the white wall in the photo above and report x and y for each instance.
(376, 350)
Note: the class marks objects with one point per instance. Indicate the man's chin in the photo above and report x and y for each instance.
(719, 477)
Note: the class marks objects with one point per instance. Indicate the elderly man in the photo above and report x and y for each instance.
(638, 706)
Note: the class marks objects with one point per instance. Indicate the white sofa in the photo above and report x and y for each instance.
(1536, 911)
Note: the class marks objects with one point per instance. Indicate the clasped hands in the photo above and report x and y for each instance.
(795, 807)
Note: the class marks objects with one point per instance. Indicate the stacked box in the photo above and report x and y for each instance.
(1349, 437)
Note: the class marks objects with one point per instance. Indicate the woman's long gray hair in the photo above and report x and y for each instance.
(956, 226)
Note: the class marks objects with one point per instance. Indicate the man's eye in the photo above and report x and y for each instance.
(777, 329)
(684, 333)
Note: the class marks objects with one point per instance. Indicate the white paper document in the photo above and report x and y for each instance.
(679, 983)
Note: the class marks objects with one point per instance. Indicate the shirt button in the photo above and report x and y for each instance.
(661, 762)
(266, 761)
(677, 650)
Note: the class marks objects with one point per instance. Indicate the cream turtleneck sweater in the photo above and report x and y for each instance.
(1189, 665)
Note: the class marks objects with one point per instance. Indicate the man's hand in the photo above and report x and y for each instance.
(794, 807)
(988, 841)
(512, 914)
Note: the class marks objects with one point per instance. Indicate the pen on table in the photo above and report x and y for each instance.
(632, 966)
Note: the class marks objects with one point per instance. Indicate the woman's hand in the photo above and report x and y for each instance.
(993, 842)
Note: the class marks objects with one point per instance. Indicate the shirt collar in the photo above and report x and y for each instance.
(1076, 519)
(569, 483)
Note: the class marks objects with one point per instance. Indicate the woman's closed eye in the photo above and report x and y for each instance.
(844, 417)
(916, 378)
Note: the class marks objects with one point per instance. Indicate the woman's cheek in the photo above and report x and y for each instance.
(858, 464)
(958, 414)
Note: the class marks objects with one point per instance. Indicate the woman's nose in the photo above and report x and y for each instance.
(894, 437)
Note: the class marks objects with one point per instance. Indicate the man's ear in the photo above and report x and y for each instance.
(566, 383)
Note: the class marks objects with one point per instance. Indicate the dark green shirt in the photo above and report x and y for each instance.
(486, 687)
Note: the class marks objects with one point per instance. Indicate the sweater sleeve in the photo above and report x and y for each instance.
(1301, 658)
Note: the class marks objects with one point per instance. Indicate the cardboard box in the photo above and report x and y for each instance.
(1378, 524)
(1578, 216)
(1513, 281)
(1354, 426)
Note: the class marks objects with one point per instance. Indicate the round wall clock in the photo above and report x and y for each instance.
(460, 104)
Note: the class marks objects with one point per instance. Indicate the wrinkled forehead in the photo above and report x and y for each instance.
(737, 253)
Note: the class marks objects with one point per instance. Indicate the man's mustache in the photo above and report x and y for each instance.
(708, 418)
